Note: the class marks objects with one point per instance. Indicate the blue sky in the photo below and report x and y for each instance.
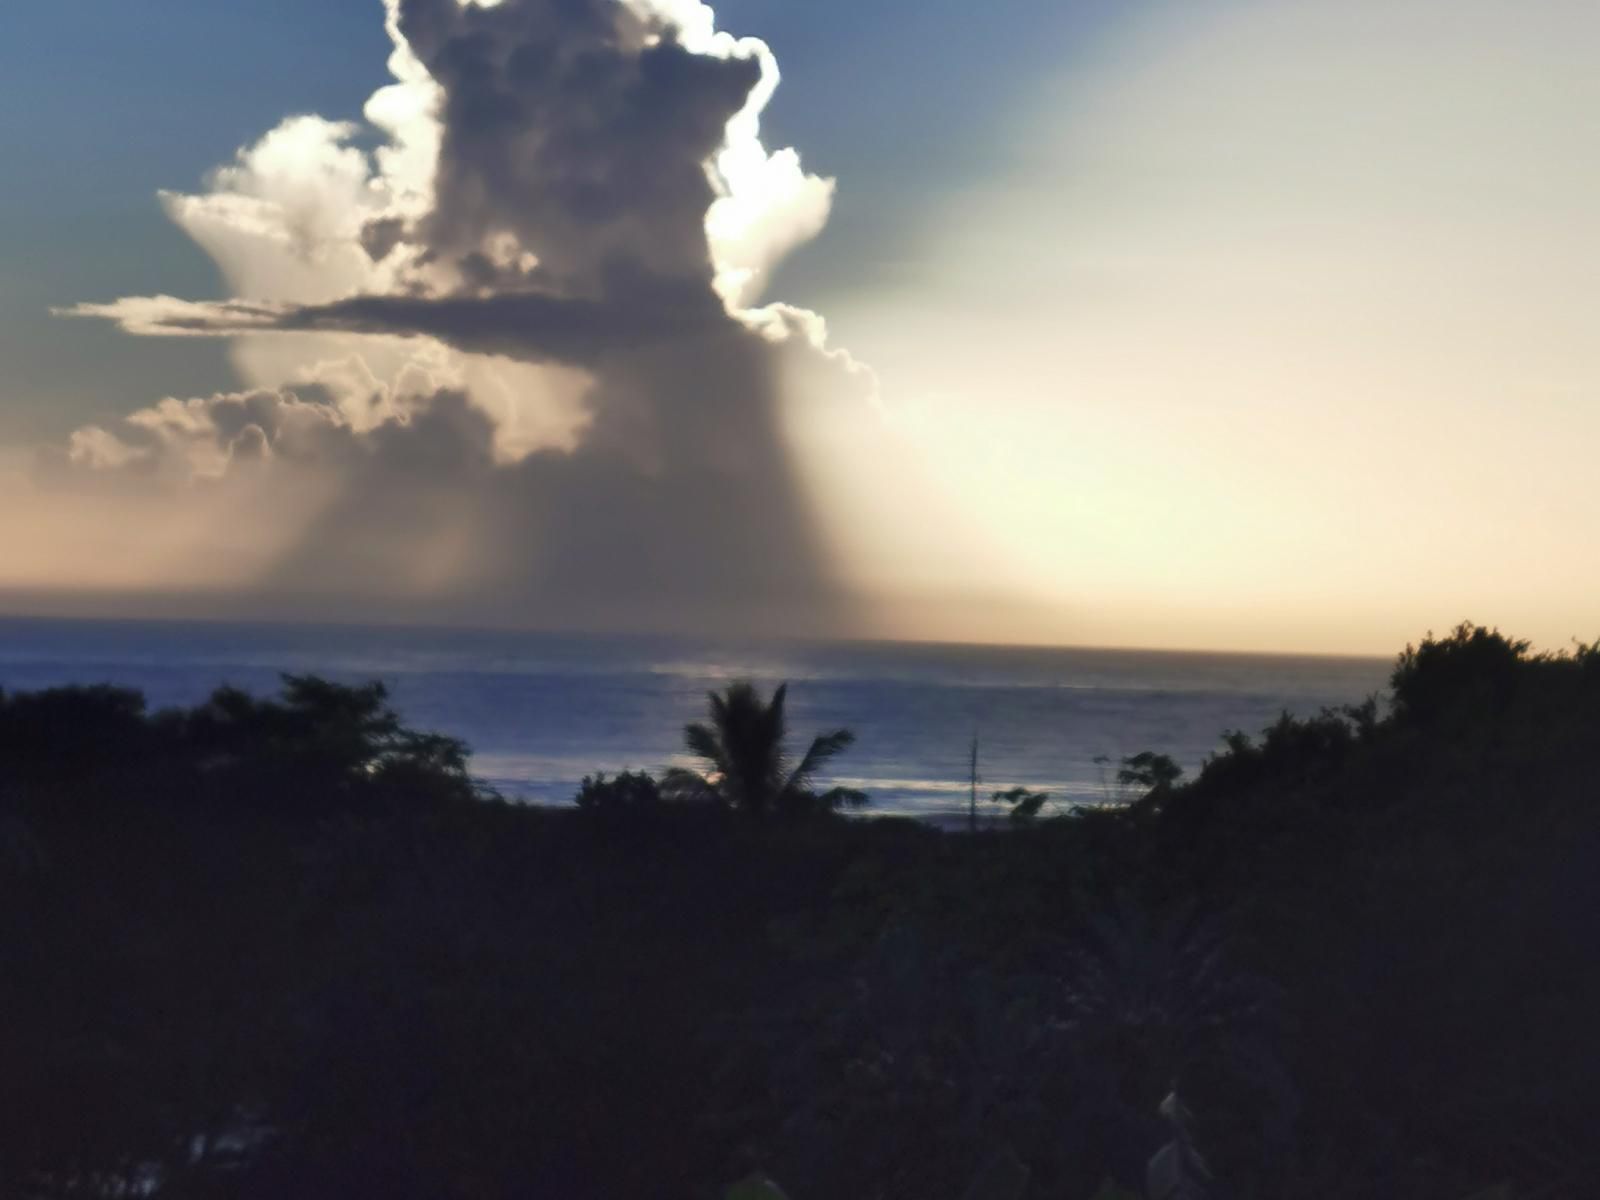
(106, 104)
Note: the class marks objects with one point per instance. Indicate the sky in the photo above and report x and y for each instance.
(1217, 324)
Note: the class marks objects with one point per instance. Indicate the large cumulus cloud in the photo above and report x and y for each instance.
(512, 346)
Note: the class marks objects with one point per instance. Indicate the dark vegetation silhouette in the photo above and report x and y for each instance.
(747, 766)
(1023, 804)
(286, 947)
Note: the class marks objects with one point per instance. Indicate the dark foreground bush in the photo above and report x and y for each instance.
(278, 948)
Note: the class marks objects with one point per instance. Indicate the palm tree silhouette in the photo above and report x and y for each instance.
(746, 765)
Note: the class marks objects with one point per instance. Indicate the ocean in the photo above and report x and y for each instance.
(540, 711)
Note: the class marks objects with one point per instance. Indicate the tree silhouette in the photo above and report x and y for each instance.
(746, 765)
(1025, 803)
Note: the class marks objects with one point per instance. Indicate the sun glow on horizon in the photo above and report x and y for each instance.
(1279, 334)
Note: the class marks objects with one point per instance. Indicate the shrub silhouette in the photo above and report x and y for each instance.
(329, 745)
(319, 748)
(1024, 803)
(269, 947)
(628, 792)
(1471, 674)
(71, 732)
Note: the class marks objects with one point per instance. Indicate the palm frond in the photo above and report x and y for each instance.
(750, 755)
(702, 741)
(742, 747)
(823, 747)
(776, 727)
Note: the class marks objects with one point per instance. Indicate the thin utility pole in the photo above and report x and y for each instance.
(972, 815)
